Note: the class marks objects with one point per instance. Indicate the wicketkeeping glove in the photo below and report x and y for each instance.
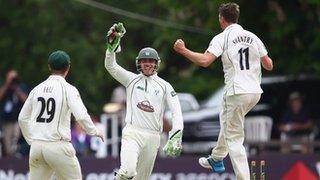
(173, 147)
(114, 35)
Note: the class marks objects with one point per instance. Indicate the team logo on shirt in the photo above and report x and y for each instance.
(145, 106)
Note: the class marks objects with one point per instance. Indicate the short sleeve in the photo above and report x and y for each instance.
(261, 47)
(216, 45)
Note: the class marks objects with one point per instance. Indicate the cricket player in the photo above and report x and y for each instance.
(45, 123)
(242, 53)
(147, 97)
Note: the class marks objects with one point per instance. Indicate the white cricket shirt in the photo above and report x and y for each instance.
(46, 113)
(240, 52)
(147, 97)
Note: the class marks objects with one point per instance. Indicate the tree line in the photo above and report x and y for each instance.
(31, 29)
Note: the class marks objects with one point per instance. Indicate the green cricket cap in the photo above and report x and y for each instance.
(59, 60)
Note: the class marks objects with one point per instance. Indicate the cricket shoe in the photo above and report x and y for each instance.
(209, 163)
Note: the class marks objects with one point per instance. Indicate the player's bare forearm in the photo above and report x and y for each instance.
(200, 59)
(3, 89)
(267, 63)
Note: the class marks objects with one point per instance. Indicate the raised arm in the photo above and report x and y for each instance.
(114, 36)
(11, 75)
(117, 72)
(200, 59)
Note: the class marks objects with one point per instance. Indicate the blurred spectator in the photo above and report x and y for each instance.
(12, 96)
(119, 95)
(115, 110)
(117, 104)
(296, 126)
(80, 140)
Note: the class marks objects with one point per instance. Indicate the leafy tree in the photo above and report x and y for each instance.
(31, 29)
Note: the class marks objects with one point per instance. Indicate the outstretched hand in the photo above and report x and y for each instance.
(100, 135)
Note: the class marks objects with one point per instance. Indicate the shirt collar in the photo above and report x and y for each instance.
(233, 25)
(152, 76)
(56, 77)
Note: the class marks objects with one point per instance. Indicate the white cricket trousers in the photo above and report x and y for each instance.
(231, 134)
(139, 149)
(57, 157)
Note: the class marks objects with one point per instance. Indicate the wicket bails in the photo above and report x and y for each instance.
(253, 170)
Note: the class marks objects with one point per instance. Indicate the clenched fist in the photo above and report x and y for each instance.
(179, 46)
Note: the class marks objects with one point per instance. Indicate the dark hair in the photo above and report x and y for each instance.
(230, 12)
(59, 60)
(61, 71)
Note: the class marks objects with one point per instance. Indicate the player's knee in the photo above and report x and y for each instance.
(234, 136)
(235, 149)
